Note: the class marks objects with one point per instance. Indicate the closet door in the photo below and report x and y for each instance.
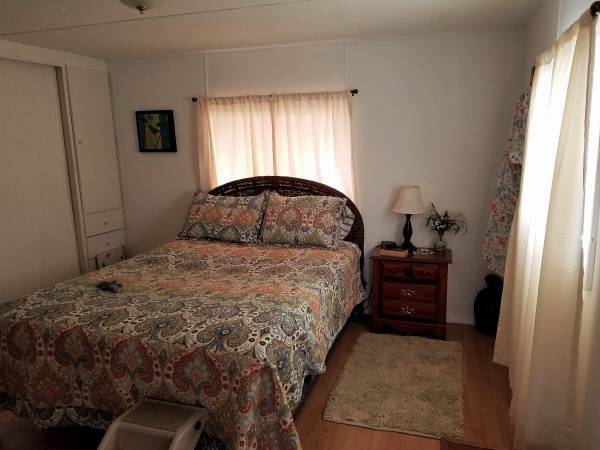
(37, 246)
(91, 114)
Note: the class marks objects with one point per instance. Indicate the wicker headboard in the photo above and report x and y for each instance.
(292, 187)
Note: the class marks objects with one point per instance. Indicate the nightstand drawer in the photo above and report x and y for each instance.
(425, 272)
(425, 311)
(409, 292)
(396, 271)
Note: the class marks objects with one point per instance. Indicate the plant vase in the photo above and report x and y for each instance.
(440, 245)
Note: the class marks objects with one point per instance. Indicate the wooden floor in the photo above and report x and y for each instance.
(485, 409)
(486, 401)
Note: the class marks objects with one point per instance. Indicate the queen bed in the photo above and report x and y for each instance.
(233, 327)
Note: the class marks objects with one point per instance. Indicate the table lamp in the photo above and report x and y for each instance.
(409, 202)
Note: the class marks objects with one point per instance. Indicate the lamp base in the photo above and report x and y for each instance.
(408, 246)
(407, 233)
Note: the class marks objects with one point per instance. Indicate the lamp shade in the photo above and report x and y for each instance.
(409, 201)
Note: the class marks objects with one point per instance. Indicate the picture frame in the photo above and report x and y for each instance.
(156, 130)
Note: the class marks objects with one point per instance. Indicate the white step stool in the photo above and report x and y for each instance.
(156, 425)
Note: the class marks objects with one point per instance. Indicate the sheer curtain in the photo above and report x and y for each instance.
(539, 324)
(300, 135)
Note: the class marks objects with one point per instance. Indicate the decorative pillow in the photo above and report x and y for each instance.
(306, 220)
(234, 219)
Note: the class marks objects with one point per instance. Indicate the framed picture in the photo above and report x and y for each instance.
(156, 131)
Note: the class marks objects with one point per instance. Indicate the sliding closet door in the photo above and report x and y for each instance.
(37, 236)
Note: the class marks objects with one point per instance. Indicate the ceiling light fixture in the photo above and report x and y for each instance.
(142, 5)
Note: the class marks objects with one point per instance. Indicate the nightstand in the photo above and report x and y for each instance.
(409, 294)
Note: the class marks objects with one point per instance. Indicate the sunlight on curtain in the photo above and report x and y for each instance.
(541, 303)
(313, 138)
(240, 136)
(300, 135)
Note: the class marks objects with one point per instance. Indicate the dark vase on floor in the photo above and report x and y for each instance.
(487, 306)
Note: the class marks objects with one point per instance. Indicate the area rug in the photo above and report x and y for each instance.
(400, 383)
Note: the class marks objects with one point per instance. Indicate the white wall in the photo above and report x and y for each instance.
(570, 11)
(541, 31)
(157, 187)
(433, 111)
(549, 20)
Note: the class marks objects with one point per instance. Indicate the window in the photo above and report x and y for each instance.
(300, 135)
(592, 180)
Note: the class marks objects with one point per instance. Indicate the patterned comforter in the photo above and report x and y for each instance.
(234, 328)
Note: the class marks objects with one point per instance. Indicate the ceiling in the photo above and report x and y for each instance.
(109, 30)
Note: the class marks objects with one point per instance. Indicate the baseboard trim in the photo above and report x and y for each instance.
(450, 318)
(461, 319)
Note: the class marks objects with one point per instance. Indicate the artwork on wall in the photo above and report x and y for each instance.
(156, 131)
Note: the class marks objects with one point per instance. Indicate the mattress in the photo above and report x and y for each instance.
(234, 328)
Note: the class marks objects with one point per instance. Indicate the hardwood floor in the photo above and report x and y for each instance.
(486, 401)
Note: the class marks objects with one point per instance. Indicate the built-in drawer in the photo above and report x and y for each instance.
(104, 242)
(114, 256)
(396, 271)
(425, 311)
(103, 222)
(409, 291)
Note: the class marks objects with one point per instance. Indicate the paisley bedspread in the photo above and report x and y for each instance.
(234, 328)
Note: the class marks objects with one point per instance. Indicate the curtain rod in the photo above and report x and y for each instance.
(595, 9)
(352, 91)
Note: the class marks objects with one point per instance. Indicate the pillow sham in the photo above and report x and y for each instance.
(233, 219)
(309, 220)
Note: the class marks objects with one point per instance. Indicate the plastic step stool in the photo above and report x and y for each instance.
(156, 425)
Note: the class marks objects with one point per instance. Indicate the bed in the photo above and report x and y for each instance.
(235, 328)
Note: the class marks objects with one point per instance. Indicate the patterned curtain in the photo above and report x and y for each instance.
(506, 197)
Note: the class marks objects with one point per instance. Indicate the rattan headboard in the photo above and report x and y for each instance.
(292, 187)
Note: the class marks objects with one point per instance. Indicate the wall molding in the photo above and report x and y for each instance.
(39, 55)
(461, 319)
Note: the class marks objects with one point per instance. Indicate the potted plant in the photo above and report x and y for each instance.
(441, 223)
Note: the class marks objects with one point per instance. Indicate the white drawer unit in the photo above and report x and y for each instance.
(103, 222)
(92, 265)
(104, 242)
(110, 257)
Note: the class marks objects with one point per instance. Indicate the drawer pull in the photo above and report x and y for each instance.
(407, 310)
(106, 222)
(408, 293)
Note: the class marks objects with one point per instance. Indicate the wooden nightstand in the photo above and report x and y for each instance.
(409, 294)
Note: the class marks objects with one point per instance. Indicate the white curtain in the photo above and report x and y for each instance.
(539, 325)
(300, 135)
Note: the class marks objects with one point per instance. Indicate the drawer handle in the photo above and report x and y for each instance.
(407, 310)
(393, 270)
(408, 292)
(106, 222)
(108, 244)
(424, 273)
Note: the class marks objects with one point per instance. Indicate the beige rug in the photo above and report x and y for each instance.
(401, 383)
